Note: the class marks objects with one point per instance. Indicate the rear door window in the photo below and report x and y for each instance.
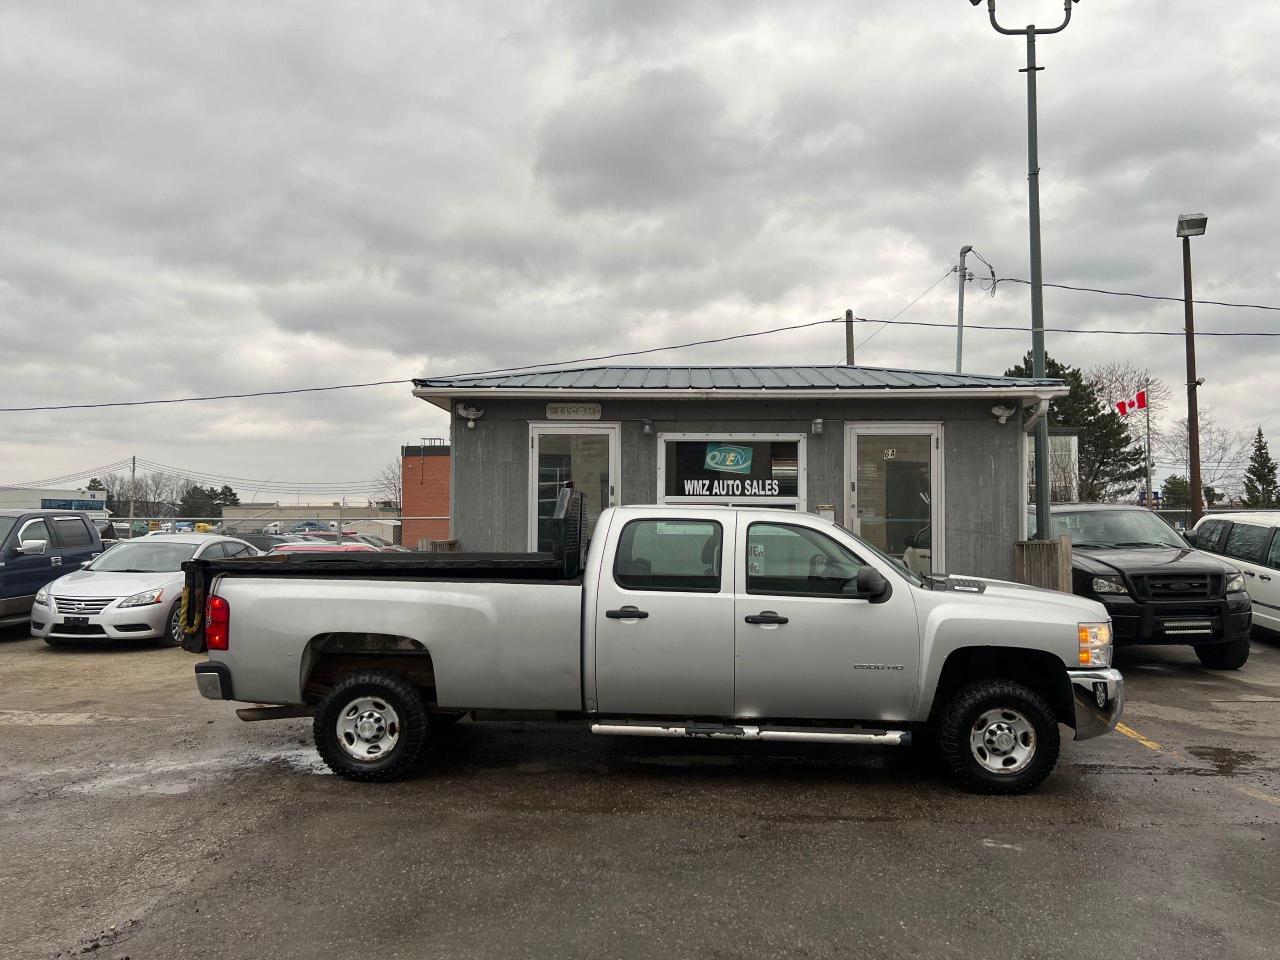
(1248, 542)
(673, 555)
(1273, 556)
(73, 532)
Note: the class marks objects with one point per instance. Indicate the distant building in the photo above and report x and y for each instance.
(424, 485)
(92, 502)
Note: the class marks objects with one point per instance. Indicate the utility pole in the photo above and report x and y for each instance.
(964, 252)
(1037, 273)
(1147, 411)
(848, 338)
(133, 474)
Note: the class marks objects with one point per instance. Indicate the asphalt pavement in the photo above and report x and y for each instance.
(140, 821)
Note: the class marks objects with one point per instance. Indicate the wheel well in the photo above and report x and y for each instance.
(331, 656)
(1040, 671)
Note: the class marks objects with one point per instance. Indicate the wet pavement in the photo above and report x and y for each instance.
(138, 820)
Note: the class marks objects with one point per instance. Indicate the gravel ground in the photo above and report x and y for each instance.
(141, 821)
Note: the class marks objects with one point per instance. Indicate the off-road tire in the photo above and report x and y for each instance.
(1224, 656)
(960, 714)
(414, 726)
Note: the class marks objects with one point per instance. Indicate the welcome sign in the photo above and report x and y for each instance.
(728, 458)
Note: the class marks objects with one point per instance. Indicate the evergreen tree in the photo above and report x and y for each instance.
(1110, 464)
(1176, 494)
(1260, 487)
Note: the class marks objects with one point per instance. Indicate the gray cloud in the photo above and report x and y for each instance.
(212, 199)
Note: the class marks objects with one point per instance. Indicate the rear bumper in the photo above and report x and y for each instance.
(1099, 701)
(1170, 622)
(213, 680)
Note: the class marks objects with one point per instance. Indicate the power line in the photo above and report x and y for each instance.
(1137, 296)
(927, 290)
(1092, 330)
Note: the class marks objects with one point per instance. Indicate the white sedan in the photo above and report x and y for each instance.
(133, 591)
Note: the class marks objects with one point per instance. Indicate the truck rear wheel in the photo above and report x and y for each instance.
(1224, 656)
(998, 736)
(371, 726)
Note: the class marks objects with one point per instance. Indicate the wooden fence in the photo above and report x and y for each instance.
(1043, 563)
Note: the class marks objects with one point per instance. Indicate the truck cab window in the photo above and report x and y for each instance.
(678, 555)
(786, 559)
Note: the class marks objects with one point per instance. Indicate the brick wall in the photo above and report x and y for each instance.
(424, 479)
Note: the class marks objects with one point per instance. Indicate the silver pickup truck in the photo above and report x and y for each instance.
(717, 622)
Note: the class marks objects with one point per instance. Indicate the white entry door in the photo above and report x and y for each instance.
(560, 453)
(894, 490)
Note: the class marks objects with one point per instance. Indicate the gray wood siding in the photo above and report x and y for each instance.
(982, 477)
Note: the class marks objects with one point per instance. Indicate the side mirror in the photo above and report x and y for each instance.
(33, 548)
(872, 584)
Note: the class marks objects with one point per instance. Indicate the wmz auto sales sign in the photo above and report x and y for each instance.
(730, 488)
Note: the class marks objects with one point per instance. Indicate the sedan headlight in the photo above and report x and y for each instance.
(1108, 585)
(1095, 644)
(42, 597)
(143, 599)
(1235, 583)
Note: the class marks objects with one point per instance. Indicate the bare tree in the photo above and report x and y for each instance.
(1224, 454)
(388, 485)
(1121, 379)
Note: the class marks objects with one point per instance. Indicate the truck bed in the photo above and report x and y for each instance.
(390, 566)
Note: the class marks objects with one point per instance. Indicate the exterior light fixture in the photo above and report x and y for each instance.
(816, 425)
(646, 427)
(1192, 224)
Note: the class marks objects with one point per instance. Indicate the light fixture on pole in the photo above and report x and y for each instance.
(1192, 225)
(1037, 274)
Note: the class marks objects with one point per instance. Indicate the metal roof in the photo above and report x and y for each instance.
(735, 381)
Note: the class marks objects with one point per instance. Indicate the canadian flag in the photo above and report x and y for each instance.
(1137, 402)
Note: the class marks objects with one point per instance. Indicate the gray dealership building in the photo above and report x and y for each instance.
(930, 467)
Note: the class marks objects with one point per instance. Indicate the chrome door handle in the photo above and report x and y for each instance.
(55, 561)
(765, 616)
(1247, 573)
(1263, 576)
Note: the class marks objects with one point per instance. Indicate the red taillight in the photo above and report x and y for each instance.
(217, 624)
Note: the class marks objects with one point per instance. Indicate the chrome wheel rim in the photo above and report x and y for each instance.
(175, 626)
(368, 729)
(1003, 741)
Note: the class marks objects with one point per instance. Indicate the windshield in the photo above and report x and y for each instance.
(6, 524)
(898, 565)
(144, 556)
(1115, 528)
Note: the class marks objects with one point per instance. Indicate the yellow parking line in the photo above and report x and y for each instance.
(1150, 744)
(1135, 735)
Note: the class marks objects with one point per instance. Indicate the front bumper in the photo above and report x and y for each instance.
(1179, 621)
(1099, 700)
(113, 623)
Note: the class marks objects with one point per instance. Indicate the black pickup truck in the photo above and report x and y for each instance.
(1155, 585)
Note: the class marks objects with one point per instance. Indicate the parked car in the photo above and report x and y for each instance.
(1247, 541)
(308, 526)
(36, 547)
(131, 592)
(1156, 587)
(715, 622)
(265, 541)
(323, 548)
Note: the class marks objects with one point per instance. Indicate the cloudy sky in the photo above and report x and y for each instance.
(220, 198)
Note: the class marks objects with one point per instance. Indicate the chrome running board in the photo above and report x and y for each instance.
(713, 731)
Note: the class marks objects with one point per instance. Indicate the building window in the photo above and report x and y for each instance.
(756, 469)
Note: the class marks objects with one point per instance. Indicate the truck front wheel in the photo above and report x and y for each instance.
(998, 736)
(371, 726)
(1224, 656)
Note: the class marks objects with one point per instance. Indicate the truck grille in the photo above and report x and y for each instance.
(82, 606)
(1192, 586)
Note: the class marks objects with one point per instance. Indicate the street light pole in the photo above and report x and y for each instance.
(1192, 225)
(1037, 273)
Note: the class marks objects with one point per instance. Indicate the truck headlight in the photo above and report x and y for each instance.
(143, 599)
(1108, 585)
(1095, 644)
(1235, 583)
(42, 597)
